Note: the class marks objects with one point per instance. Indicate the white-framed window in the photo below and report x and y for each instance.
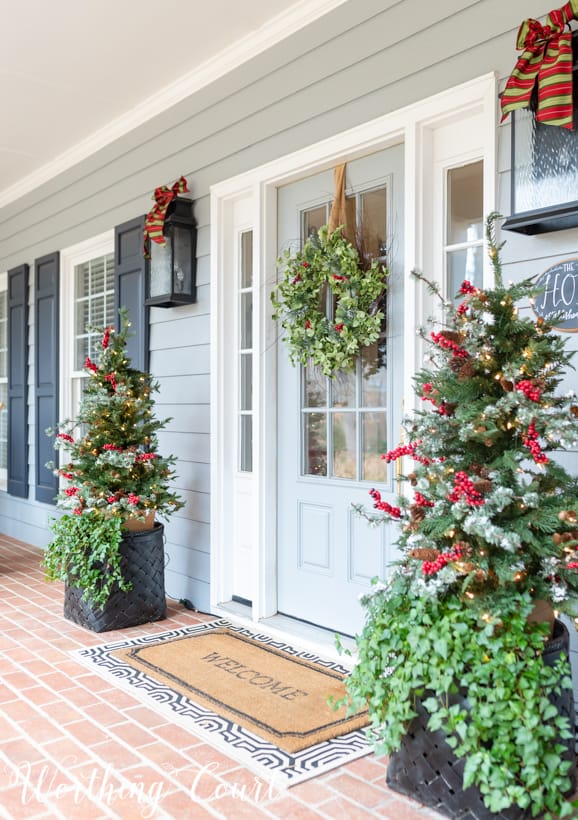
(464, 226)
(86, 302)
(3, 381)
(245, 352)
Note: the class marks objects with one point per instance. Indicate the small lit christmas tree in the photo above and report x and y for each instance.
(491, 512)
(456, 638)
(113, 464)
(115, 479)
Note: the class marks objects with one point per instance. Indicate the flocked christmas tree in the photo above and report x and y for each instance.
(491, 510)
(113, 466)
(488, 537)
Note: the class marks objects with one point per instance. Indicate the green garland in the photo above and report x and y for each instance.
(328, 259)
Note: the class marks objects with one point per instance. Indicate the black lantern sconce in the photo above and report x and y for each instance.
(172, 272)
(544, 193)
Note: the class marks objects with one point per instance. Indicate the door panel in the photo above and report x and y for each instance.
(331, 432)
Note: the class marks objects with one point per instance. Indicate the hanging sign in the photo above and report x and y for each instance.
(558, 301)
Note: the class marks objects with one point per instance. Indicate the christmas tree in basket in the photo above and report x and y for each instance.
(489, 548)
(114, 477)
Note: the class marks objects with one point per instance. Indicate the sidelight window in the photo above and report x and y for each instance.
(245, 348)
(464, 226)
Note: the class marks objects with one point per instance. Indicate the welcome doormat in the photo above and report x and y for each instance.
(255, 698)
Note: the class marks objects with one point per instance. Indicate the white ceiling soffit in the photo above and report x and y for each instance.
(77, 74)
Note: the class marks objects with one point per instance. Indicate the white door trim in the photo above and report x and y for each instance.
(413, 125)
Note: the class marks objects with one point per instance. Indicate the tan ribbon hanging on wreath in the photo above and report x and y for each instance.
(342, 211)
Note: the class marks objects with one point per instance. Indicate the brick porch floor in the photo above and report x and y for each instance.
(73, 746)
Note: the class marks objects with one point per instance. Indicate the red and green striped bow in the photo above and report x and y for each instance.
(546, 59)
(155, 219)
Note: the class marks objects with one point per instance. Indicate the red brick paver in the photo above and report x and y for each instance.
(74, 747)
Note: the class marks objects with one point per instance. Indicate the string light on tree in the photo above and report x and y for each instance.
(505, 419)
(112, 444)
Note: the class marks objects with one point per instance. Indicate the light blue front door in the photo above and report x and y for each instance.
(331, 432)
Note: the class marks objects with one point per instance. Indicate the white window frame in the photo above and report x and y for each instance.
(100, 245)
(416, 126)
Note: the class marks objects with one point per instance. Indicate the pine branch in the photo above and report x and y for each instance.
(493, 248)
(432, 287)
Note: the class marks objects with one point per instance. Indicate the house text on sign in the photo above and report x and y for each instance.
(558, 300)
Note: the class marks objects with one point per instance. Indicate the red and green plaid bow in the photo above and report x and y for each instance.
(155, 220)
(546, 59)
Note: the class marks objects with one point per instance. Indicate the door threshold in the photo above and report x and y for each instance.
(300, 634)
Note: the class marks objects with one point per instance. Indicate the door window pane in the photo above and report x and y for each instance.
(315, 441)
(344, 445)
(315, 387)
(351, 216)
(344, 388)
(313, 220)
(374, 222)
(373, 374)
(374, 436)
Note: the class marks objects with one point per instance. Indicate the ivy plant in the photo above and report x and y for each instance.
(84, 552)
(504, 723)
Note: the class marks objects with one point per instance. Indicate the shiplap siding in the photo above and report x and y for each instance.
(364, 59)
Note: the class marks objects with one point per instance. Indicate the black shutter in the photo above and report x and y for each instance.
(130, 271)
(18, 381)
(47, 275)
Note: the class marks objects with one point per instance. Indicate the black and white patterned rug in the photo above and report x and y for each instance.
(264, 758)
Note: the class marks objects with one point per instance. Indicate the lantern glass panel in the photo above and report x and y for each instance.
(160, 268)
(545, 164)
(183, 259)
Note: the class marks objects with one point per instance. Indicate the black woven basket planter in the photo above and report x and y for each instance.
(426, 769)
(143, 564)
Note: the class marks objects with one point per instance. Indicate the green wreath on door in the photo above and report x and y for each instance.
(328, 260)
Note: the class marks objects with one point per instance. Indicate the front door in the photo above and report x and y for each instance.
(331, 432)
